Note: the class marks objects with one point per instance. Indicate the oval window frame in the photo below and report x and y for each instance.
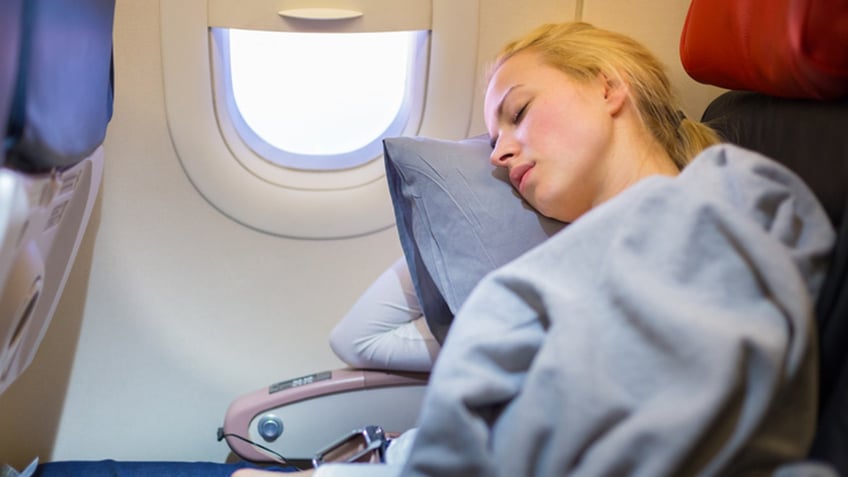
(315, 204)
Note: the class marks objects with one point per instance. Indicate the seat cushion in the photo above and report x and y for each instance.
(786, 48)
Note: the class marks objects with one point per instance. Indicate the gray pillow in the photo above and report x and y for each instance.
(458, 218)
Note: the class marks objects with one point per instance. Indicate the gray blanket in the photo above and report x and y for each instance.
(670, 331)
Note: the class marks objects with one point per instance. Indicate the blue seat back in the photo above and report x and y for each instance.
(63, 97)
(10, 43)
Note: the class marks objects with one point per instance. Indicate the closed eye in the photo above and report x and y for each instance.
(518, 116)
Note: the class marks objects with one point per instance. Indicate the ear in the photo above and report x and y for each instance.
(616, 93)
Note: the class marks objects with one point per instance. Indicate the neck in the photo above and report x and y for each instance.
(636, 155)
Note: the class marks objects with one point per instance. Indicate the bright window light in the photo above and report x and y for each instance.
(321, 94)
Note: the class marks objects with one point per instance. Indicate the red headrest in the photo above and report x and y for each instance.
(788, 48)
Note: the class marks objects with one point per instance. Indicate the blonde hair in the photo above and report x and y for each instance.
(583, 51)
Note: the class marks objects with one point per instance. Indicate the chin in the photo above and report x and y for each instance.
(547, 211)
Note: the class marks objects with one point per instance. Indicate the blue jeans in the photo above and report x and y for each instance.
(111, 468)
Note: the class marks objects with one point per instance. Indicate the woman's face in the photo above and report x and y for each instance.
(552, 133)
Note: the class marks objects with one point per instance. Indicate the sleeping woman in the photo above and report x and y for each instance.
(668, 330)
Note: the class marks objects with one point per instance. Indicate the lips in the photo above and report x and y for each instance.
(517, 174)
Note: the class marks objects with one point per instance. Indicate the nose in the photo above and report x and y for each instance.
(502, 152)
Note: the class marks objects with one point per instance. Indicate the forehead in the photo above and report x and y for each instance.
(505, 77)
(518, 66)
(524, 69)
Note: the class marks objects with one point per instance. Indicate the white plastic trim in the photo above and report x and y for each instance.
(320, 13)
(354, 210)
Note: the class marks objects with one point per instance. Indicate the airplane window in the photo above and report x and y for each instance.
(321, 101)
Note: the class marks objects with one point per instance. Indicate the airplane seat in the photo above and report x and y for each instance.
(788, 99)
(56, 85)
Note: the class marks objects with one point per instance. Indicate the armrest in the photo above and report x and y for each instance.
(297, 417)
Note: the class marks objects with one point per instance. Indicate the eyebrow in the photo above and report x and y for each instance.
(499, 112)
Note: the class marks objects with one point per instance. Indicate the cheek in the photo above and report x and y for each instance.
(568, 148)
(543, 130)
(566, 130)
